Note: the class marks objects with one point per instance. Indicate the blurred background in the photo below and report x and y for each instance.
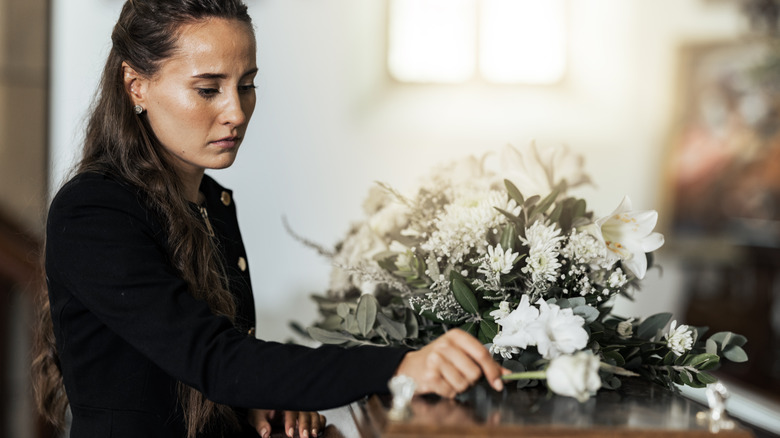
(671, 102)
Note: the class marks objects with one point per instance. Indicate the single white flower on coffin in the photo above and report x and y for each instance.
(574, 375)
(557, 331)
(514, 333)
(537, 171)
(679, 339)
(628, 235)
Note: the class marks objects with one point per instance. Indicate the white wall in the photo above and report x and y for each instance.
(329, 121)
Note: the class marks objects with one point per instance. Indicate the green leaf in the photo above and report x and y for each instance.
(366, 313)
(328, 337)
(351, 325)
(412, 326)
(735, 353)
(395, 329)
(651, 325)
(487, 331)
(670, 358)
(588, 313)
(331, 322)
(686, 377)
(555, 216)
(342, 310)
(728, 338)
(463, 294)
(530, 202)
(712, 347)
(614, 358)
(548, 201)
(470, 328)
(513, 192)
(509, 237)
(579, 208)
(706, 378)
(702, 361)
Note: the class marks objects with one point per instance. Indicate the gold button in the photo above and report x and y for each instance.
(242, 264)
(251, 332)
(225, 198)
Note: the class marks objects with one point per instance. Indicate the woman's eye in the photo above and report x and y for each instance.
(208, 92)
(246, 88)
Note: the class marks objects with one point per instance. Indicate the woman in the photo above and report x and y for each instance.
(147, 330)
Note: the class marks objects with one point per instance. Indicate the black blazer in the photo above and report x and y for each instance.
(127, 329)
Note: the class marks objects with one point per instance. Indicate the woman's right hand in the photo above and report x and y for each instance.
(450, 364)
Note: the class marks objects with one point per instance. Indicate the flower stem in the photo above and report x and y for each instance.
(525, 375)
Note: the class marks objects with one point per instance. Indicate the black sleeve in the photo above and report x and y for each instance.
(104, 246)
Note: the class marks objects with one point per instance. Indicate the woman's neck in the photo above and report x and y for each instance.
(191, 185)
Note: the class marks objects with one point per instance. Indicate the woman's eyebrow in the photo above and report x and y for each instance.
(210, 76)
(222, 75)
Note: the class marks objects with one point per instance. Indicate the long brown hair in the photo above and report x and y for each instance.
(122, 143)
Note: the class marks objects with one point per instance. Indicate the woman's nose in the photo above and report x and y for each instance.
(233, 111)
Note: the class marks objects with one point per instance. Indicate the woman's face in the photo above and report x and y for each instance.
(200, 101)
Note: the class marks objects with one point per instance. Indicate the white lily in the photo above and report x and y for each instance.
(628, 235)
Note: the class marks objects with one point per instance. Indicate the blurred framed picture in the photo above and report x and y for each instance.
(724, 157)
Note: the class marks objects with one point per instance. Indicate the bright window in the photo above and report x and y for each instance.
(505, 41)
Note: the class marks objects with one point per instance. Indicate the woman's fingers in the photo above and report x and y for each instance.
(260, 420)
(304, 424)
(450, 364)
(290, 420)
(319, 424)
(480, 355)
(309, 424)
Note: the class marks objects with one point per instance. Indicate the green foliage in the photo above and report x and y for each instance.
(463, 294)
(652, 325)
(394, 316)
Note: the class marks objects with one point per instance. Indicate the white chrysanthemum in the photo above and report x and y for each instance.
(617, 279)
(557, 331)
(497, 262)
(680, 339)
(464, 224)
(543, 243)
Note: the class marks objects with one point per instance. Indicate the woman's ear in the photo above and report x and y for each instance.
(135, 84)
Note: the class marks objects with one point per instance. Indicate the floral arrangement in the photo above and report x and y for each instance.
(495, 246)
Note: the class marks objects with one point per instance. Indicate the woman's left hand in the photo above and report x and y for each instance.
(309, 424)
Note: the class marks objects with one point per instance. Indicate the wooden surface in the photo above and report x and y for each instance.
(637, 410)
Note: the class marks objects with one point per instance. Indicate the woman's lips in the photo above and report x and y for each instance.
(227, 142)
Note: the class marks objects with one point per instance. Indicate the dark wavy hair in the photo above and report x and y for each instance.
(121, 143)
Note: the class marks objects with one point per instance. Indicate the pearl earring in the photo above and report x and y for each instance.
(138, 109)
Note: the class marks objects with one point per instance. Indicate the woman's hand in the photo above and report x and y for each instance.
(450, 364)
(309, 424)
